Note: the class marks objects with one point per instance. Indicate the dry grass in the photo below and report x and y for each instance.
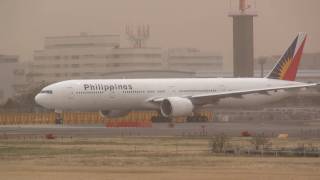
(145, 158)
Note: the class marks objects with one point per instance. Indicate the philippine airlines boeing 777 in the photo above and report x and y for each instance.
(176, 97)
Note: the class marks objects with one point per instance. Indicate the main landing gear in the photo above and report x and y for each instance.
(195, 118)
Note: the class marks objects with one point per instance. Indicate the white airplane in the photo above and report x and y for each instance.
(176, 97)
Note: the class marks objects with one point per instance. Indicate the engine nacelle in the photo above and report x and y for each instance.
(176, 106)
(113, 113)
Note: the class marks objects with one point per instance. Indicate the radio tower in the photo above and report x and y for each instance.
(138, 37)
(242, 12)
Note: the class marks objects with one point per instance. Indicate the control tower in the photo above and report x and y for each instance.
(242, 13)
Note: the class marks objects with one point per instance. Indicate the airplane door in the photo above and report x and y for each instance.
(70, 93)
(69, 100)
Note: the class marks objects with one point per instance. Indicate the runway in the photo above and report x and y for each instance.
(163, 129)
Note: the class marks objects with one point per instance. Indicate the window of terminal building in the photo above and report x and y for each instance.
(89, 65)
(115, 64)
(75, 65)
(116, 56)
(19, 72)
(87, 56)
(75, 74)
(36, 58)
(89, 74)
(74, 57)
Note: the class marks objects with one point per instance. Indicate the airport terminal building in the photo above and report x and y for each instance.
(100, 56)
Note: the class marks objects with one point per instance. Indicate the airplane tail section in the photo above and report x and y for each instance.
(287, 66)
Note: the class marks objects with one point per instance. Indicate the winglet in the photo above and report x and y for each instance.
(287, 66)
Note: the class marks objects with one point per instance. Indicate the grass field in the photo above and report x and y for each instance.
(146, 158)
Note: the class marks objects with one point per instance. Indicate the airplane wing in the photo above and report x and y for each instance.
(202, 99)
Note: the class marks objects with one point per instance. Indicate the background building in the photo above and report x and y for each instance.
(193, 60)
(100, 56)
(8, 76)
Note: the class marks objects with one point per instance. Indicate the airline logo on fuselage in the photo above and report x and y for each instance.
(107, 87)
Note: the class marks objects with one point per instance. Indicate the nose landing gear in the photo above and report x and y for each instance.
(58, 117)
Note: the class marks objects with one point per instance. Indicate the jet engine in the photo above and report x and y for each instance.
(176, 106)
(113, 113)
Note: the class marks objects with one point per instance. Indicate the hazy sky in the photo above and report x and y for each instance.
(203, 24)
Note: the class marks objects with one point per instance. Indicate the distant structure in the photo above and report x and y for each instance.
(139, 37)
(242, 12)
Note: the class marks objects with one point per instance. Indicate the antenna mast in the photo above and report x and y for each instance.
(139, 36)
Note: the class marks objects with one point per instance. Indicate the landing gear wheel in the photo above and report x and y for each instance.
(197, 119)
(203, 119)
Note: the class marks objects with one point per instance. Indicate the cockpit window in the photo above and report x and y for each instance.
(46, 92)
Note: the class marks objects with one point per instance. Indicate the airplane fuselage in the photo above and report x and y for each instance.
(134, 94)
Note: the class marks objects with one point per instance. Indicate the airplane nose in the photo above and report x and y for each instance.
(37, 99)
(42, 100)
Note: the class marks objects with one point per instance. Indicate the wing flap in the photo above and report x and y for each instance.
(215, 97)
